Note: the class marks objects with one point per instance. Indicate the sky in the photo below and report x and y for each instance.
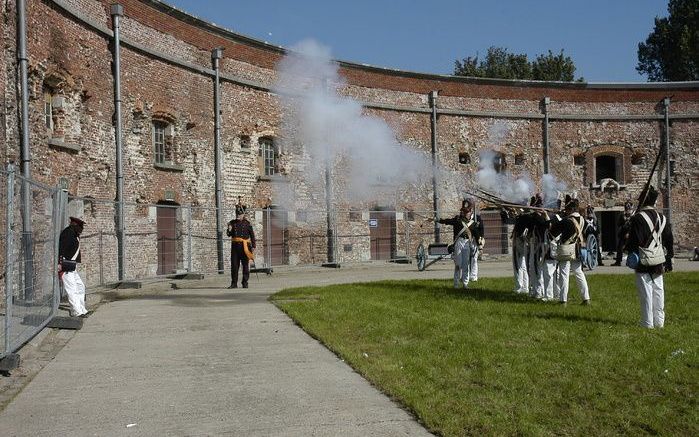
(427, 36)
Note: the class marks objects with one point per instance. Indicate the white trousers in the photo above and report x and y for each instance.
(474, 262)
(651, 294)
(536, 273)
(564, 270)
(551, 290)
(462, 262)
(521, 250)
(75, 289)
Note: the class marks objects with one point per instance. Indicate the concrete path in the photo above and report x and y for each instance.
(204, 360)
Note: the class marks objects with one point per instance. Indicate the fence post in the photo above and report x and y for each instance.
(8, 253)
(268, 238)
(189, 238)
(101, 249)
(60, 200)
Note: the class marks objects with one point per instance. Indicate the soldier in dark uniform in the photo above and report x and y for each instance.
(242, 244)
(623, 233)
(468, 228)
(651, 242)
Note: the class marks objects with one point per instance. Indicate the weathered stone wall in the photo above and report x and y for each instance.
(73, 58)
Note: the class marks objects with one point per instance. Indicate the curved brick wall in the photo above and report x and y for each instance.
(166, 75)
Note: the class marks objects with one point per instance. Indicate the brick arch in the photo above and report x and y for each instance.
(620, 152)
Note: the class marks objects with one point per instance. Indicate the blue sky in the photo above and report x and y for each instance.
(428, 36)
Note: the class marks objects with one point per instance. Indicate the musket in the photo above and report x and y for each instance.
(644, 192)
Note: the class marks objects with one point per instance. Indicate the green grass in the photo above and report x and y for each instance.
(487, 361)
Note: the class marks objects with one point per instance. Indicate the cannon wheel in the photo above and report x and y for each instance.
(421, 257)
(592, 248)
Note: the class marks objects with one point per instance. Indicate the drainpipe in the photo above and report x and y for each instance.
(27, 235)
(328, 208)
(435, 198)
(668, 182)
(117, 11)
(546, 103)
(216, 55)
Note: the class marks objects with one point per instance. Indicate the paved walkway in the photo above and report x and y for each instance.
(204, 360)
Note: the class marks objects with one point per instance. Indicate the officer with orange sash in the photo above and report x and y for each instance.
(242, 244)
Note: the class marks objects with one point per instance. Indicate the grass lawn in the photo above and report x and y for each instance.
(487, 361)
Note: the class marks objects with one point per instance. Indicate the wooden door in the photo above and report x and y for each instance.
(167, 239)
(275, 231)
(382, 234)
(495, 233)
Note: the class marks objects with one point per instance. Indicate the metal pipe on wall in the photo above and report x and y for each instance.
(546, 103)
(435, 197)
(216, 55)
(328, 208)
(27, 234)
(668, 179)
(117, 12)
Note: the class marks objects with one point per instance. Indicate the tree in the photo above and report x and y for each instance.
(501, 64)
(671, 52)
(554, 67)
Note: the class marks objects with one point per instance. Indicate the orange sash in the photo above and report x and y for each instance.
(246, 244)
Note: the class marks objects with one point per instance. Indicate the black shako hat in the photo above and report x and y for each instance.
(77, 221)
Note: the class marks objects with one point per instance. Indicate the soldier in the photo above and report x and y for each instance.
(570, 230)
(242, 244)
(623, 233)
(649, 233)
(477, 238)
(465, 225)
(537, 248)
(520, 252)
(68, 260)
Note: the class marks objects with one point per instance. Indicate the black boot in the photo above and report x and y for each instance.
(233, 285)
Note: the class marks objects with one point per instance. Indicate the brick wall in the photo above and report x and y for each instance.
(76, 60)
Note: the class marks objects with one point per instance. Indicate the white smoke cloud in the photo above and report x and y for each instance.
(552, 189)
(504, 185)
(367, 161)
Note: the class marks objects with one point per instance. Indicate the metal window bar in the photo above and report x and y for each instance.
(159, 141)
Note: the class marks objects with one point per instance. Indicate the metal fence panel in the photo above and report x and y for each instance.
(30, 287)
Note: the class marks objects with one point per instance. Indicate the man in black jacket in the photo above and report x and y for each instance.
(68, 259)
(649, 233)
(242, 244)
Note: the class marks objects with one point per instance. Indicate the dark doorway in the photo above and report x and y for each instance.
(609, 224)
(495, 233)
(382, 234)
(275, 224)
(167, 238)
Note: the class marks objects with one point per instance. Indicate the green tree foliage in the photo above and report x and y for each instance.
(671, 52)
(501, 64)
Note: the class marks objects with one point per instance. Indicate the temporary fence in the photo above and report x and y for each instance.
(28, 247)
(165, 239)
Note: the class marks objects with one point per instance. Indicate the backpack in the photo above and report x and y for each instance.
(653, 255)
(566, 250)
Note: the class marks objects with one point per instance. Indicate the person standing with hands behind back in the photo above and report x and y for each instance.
(242, 244)
(68, 260)
(649, 232)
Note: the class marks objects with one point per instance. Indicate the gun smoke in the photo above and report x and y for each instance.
(333, 133)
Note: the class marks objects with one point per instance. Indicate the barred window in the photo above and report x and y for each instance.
(48, 107)
(268, 153)
(159, 141)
